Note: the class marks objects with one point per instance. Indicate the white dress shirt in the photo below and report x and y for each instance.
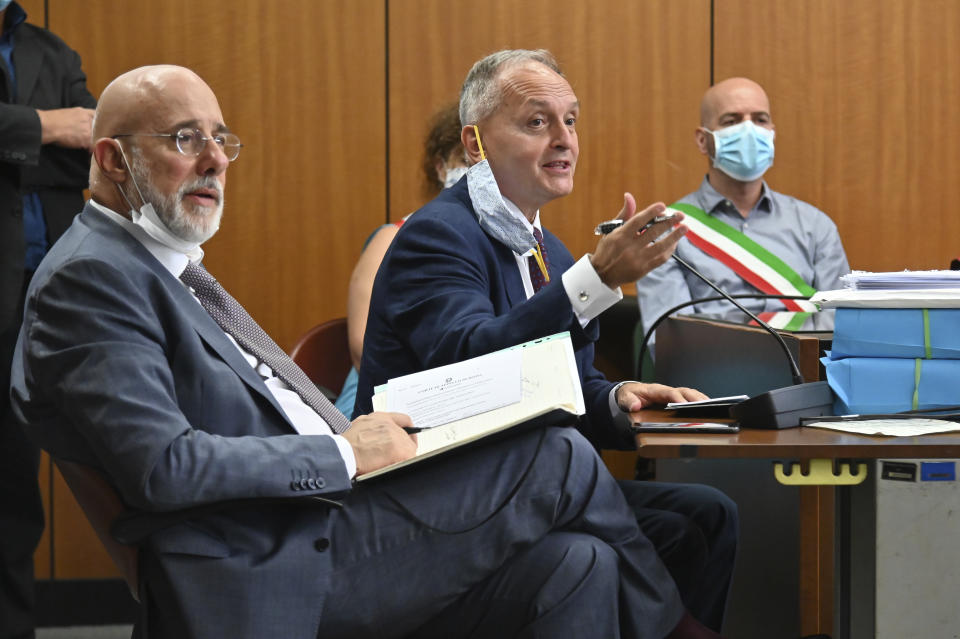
(588, 295)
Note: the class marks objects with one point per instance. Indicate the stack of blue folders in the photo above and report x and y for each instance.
(895, 352)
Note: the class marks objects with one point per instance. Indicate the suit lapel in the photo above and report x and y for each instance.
(512, 282)
(208, 330)
(27, 59)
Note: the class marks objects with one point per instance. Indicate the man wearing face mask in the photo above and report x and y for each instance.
(45, 115)
(474, 271)
(744, 236)
(134, 361)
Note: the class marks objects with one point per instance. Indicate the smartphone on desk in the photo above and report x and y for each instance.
(684, 427)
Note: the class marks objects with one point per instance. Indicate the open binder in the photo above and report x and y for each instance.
(550, 395)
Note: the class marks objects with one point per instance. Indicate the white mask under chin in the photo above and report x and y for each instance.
(148, 220)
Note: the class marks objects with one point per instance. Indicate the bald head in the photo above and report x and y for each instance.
(139, 99)
(152, 99)
(137, 154)
(739, 98)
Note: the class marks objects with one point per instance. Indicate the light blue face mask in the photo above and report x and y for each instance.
(743, 151)
(453, 176)
(4, 4)
(492, 212)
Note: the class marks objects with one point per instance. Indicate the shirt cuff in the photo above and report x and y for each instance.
(346, 451)
(588, 295)
(612, 399)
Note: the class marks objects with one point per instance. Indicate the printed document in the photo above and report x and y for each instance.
(544, 372)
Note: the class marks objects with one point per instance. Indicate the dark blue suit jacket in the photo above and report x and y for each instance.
(446, 291)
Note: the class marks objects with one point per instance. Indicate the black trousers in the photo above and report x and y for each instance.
(21, 509)
(695, 529)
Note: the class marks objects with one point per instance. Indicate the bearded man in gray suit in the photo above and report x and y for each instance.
(119, 367)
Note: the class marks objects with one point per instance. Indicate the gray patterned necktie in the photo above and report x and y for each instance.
(233, 319)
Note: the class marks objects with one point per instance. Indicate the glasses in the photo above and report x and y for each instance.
(192, 142)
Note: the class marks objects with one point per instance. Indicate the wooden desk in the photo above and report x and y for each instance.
(817, 502)
(791, 444)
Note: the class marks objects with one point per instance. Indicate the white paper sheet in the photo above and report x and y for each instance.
(457, 391)
(891, 427)
(548, 383)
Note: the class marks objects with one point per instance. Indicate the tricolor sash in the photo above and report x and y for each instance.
(784, 320)
(755, 264)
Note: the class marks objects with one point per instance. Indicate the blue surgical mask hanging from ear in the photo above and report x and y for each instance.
(743, 151)
(147, 219)
(492, 212)
(3, 5)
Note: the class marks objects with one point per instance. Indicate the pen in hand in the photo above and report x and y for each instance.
(604, 228)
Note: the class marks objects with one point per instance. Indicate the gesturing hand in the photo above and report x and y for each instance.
(629, 253)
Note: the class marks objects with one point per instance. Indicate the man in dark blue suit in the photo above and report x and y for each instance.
(473, 272)
(121, 366)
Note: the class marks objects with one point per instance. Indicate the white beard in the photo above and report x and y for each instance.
(189, 227)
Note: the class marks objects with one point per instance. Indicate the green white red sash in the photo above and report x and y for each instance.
(755, 264)
(784, 320)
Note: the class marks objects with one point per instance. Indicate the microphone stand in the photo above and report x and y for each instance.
(782, 407)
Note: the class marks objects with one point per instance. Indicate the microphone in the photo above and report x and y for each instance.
(781, 407)
(700, 300)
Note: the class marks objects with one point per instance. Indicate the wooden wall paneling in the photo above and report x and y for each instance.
(638, 69)
(43, 557)
(35, 11)
(77, 552)
(302, 83)
(863, 94)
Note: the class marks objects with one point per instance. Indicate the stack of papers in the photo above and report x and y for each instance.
(895, 289)
(888, 298)
(900, 280)
(893, 341)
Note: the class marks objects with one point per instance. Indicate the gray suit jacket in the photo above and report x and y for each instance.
(120, 368)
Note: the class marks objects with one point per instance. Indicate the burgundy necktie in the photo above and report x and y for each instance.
(536, 275)
(234, 319)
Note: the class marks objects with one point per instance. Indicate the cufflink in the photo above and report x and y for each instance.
(584, 296)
